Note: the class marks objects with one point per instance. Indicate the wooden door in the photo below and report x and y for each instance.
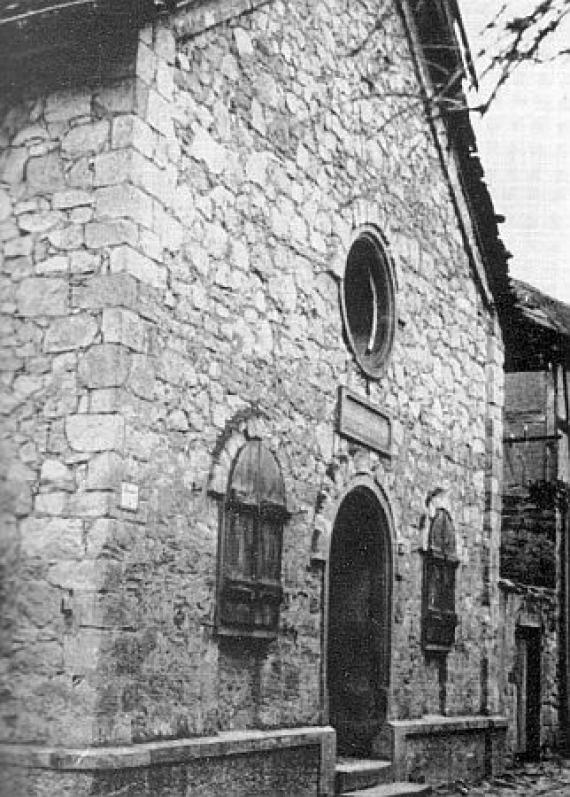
(358, 629)
(528, 692)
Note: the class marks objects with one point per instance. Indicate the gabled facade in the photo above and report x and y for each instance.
(253, 412)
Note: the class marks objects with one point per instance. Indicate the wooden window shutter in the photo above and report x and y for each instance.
(250, 592)
(439, 572)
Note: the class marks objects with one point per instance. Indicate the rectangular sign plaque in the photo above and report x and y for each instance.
(361, 421)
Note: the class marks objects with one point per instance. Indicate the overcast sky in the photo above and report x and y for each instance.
(524, 143)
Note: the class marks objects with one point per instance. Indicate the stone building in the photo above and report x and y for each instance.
(253, 391)
(534, 555)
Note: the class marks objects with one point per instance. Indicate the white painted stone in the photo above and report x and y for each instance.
(129, 499)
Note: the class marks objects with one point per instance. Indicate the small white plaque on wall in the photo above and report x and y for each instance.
(129, 496)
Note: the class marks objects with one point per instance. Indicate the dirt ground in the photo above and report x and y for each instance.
(549, 778)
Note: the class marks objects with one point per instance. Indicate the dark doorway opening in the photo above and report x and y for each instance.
(528, 693)
(358, 662)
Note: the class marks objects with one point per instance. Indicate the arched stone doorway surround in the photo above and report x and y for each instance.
(355, 535)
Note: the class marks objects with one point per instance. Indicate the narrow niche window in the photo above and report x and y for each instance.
(440, 565)
(368, 302)
(254, 513)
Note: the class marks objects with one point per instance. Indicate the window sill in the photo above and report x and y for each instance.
(246, 633)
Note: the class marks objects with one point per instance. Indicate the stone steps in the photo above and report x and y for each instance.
(399, 789)
(365, 777)
(360, 773)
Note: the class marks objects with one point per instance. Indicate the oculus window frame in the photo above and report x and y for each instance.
(368, 301)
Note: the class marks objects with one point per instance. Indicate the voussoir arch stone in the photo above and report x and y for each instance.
(334, 490)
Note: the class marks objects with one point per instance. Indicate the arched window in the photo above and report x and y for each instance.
(250, 592)
(440, 565)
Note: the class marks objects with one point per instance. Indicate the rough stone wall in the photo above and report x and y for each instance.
(172, 248)
(521, 607)
(74, 225)
(278, 155)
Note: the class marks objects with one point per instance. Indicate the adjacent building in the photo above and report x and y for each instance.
(534, 553)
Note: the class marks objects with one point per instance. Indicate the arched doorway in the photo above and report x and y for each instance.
(359, 620)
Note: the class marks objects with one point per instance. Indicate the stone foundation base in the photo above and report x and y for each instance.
(289, 762)
(439, 749)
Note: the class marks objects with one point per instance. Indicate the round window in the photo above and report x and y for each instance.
(368, 303)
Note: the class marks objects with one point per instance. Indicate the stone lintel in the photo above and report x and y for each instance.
(174, 751)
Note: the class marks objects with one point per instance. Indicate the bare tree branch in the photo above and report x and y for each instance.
(510, 40)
